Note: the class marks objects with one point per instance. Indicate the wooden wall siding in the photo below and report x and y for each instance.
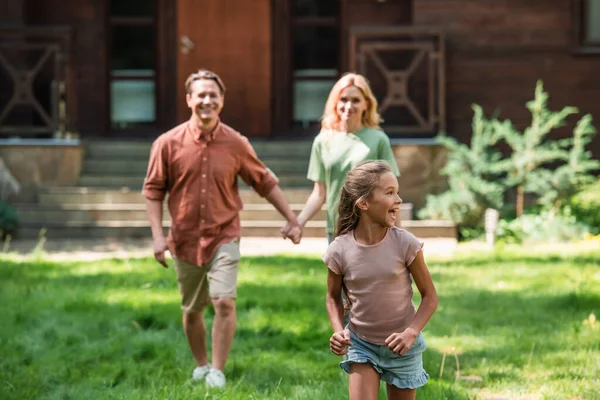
(88, 54)
(372, 13)
(281, 67)
(233, 39)
(166, 64)
(497, 50)
(499, 23)
(11, 12)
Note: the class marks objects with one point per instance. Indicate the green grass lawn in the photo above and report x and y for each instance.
(111, 330)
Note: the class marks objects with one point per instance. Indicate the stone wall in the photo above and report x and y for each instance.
(42, 166)
(419, 166)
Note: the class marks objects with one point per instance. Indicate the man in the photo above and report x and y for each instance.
(197, 163)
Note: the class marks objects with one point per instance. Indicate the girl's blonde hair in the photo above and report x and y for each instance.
(370, 118)
(359, 184)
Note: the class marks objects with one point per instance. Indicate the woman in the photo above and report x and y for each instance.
(350, 134)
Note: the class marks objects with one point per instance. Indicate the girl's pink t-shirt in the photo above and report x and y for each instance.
(377, 281)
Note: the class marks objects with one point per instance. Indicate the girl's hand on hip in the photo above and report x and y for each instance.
(401, 342)
(339, 342)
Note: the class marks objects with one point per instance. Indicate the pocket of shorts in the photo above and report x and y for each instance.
(419, 345)
(233, 250)
(228, 252)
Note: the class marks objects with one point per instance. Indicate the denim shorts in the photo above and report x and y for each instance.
(404, 372)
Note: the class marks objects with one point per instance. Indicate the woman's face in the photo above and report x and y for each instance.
(351, 105)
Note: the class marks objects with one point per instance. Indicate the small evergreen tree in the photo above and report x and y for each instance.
(531, 152)
(569, 178)
(472, 173)
(554, 170)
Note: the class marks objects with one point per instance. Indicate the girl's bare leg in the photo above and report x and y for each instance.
(394, 393)
(363, 382)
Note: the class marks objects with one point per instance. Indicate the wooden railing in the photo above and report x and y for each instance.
(405, 65)
(37, 96)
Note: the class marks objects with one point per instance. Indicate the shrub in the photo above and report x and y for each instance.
(9, 219)
(550, 170)
(585, 206)
(472, 173)
(541, 228)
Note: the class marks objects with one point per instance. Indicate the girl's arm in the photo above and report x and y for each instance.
(334, 304)
(429, 297)
(401, 342)
(341, 338)
(313, 204)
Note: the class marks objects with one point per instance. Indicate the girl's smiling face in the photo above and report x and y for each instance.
(383, 204)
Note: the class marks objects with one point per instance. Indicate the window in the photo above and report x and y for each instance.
(132, 68)
(592, 22)
(587, 24)
(315, 57)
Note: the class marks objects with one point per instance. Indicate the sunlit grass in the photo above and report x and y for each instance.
(111, 329)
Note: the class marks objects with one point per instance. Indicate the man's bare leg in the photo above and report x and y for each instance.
(223, 331)
(195, 331)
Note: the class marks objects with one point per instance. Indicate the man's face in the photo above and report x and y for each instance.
(205, 100)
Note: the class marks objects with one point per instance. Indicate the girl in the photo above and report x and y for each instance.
(350, 134)
(373, 261)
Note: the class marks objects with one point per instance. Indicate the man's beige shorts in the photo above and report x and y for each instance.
(216, 279)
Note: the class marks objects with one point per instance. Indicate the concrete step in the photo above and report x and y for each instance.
(133, 229)
(136, 212)
(136, 182)
(126, 167)
(84, 195)
(80, 213)
(141, 229)
(131, 150)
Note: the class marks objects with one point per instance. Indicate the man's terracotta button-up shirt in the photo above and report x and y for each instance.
(199, 172)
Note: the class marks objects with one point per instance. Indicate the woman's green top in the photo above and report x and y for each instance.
(333, 156)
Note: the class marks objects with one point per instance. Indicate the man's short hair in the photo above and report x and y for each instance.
(203, 74)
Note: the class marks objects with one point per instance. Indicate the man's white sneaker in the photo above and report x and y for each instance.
(215, 378)
(201, 372)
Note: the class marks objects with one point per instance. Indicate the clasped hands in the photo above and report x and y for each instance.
(293, 231)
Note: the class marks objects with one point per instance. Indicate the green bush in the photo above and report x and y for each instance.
(9, 219)
(538, 167)
(541, 228)
(474, 182)
(585, 207)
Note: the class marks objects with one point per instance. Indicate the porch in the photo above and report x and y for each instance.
(92, 189)
(78, 183)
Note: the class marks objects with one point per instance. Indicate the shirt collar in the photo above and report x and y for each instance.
(198, 135)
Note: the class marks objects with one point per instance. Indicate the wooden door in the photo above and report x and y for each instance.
(233, 39)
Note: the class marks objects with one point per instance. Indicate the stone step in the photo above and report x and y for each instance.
(126, 167)
(138, 213)
(135, 230)
(135, 182)
(131, 150)
(141, 229)
(36, 214)
(84, 195)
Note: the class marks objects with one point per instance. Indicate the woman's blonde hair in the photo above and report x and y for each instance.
(359, 184)
(370, 117)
